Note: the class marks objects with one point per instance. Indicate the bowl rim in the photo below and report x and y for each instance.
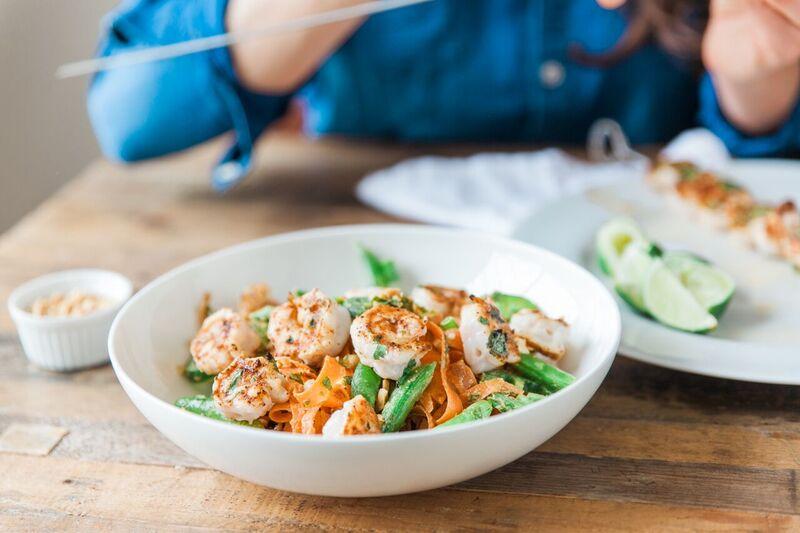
(329, 231)
(20, 314)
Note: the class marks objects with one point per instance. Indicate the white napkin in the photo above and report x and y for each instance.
(496, 191)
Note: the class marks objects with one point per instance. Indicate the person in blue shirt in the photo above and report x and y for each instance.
(448, 70)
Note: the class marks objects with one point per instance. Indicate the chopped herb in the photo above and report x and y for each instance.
(299, 292)
(483, 320)
(347, 380)
(384, 273)
(449, 323)
(234, 381)
(295, 376)
(380, 352)
(655, 250)
(687, 171)
(357, 305)
(758, 211)
(401, 302)
(312, 323)
(326, 382)
(730, 186)
(509, 304)
(498, 343)
(290, 340)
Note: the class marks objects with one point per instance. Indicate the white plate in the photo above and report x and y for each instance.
(758, 338)
(148, 344)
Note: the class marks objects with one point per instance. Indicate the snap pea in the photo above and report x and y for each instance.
(259, 321)
(194, 374)
(448, 323)
(548, 376)
(405, 395)
(476, 411)
(504, 402)
(515, 379)
(366, 383)
(204, 406)
(508, 304)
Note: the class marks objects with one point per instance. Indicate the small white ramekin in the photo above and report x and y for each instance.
(68, 343)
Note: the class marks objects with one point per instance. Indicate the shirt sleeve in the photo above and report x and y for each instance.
(148, 110)
(782, 141)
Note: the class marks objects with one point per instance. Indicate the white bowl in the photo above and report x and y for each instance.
(148, 343)
(68, 343)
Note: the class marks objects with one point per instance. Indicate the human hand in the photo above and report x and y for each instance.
(748, 39)
(752, 50)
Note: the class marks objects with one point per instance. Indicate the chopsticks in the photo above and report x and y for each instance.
(204, 44)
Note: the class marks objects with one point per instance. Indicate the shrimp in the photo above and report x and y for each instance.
(356, 417)
(221, 335)
(248, 388)
(386, 338)
(254, 298)
(543, 333)
(773, 230)
(441, 301)
(309, 327)
(488, 340)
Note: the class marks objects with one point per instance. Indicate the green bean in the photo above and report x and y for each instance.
(194, 374)
(405, 395)
(508, 304)
(366, 383)
(476, 411)
(204, 406)
(503, 402)
(548, 376)
(515, 379)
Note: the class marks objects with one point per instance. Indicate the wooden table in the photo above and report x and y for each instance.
(654, 449)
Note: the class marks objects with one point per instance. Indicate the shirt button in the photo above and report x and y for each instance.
(551, 74)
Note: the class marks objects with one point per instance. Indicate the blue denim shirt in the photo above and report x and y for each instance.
(490, 70)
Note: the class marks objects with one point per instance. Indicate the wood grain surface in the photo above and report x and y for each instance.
(653, 450)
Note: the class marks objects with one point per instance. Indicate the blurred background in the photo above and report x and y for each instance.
(47, 137)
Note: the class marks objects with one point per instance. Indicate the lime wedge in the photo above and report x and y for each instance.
(631, 270)
(672, 304)
(710, 286)
(612, 239)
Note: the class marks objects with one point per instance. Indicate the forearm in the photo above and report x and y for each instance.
(280, 64)
(759, 106)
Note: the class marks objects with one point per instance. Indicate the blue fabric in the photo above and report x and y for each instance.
(443, 71)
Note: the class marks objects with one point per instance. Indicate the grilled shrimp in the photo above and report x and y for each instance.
(248, 388)
(488, 340)
(386, 338)
(774, 231)
(356, 417)
(254, 298)
(222, 334)
(442, 301)
(545, 334)
(309, 327)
